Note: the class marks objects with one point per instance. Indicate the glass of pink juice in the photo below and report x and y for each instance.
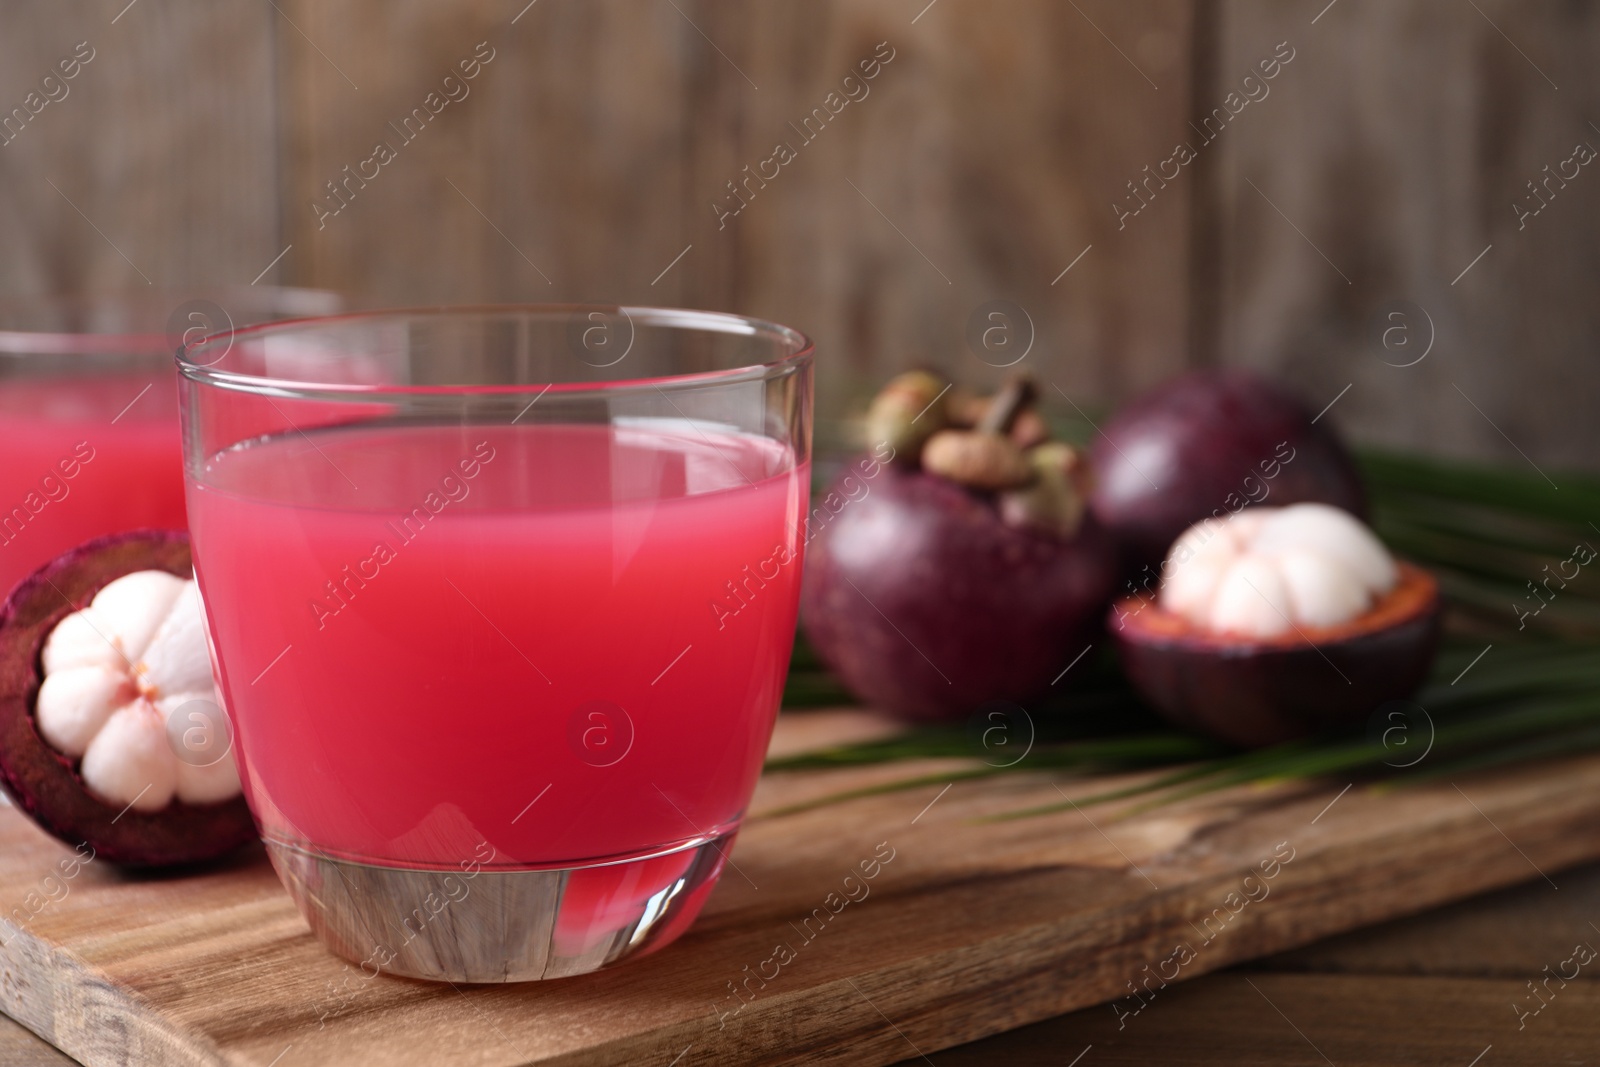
(89, 414)
(502, 602)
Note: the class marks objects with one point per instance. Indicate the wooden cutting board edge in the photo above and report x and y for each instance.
(988, 987)
(70, 1014)
(887, 1018)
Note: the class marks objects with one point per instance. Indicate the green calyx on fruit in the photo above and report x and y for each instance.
(977, 460)
(906, 412)
(998, 444)
(1056, 498)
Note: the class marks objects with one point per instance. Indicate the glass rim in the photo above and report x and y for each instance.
(18, 343)
(802, 349)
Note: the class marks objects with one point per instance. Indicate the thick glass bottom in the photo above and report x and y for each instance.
(496, 925)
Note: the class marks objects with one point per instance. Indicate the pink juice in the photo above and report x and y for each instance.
(84, 457)
(548, 645)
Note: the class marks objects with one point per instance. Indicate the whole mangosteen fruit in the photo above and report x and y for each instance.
(1209, 443)
(960, 568)
(111, 733)
(1277, 623)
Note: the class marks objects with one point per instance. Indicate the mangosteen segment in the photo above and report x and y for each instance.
(102, 656)
(1268, 570)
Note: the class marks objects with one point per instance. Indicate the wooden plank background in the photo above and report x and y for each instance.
(985, 158)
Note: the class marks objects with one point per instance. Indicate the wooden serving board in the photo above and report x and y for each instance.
(968, 929)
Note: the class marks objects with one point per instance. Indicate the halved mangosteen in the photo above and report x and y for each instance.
(1279, 623)
(111, 733)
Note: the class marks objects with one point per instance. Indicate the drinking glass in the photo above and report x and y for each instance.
(501, 601)
(89, 412)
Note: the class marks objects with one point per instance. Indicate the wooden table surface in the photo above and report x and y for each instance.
(1435, 989)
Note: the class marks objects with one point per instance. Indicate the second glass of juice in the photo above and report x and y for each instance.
(89, 440)
(502, 602)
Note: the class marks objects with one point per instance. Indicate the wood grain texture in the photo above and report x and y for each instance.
(598, 145)
(1313, 1020)
(986, 157)
(971, 929)
(553, 175)
(19, 1048)
(1511, 934)
(1453, 973)
(162, 152)
(1392, 151)
(977, 169)
(1514, 933)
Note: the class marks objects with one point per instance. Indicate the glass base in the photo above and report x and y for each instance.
(495, 925)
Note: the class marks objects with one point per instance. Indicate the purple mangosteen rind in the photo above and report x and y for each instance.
(1202, 445)
(1255, 693)
(927, 604)
(44, 783)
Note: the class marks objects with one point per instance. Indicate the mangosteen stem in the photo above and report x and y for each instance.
(1013, 398)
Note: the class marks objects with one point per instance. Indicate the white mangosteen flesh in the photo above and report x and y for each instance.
(1266, 571)
(74, 703)
(116, 675)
